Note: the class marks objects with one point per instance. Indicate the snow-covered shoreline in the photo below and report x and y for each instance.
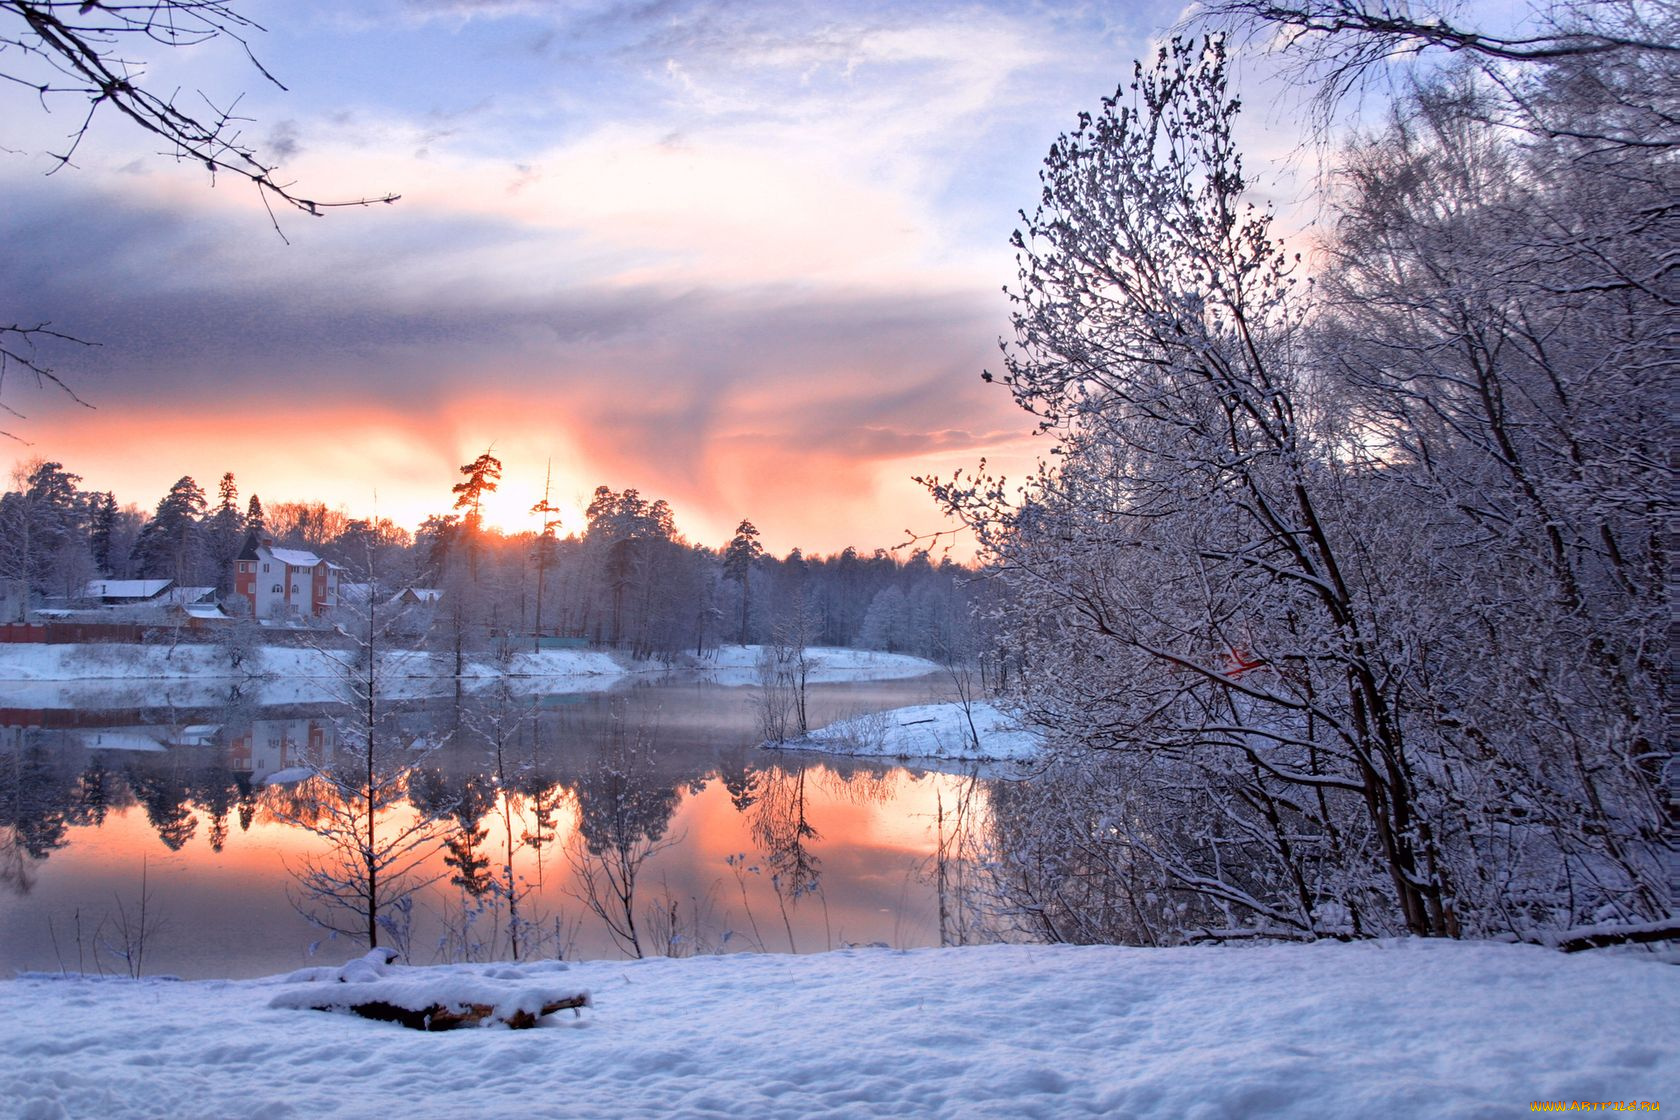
(204, 661)
(951, 732)
(738, 665)
(103, 674)
(1391, 1028)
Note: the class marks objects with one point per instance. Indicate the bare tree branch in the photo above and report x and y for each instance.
(76, 48)
(18, 350)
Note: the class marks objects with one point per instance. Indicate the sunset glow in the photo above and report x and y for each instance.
(745, 261)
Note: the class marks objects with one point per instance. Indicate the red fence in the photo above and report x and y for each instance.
(59, 633)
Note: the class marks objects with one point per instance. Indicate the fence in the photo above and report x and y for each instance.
(59, 633)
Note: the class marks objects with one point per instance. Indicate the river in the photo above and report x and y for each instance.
(152, 838)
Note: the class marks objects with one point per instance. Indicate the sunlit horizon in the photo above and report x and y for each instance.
(746, 262)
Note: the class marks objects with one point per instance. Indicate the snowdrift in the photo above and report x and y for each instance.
(1396, 1028)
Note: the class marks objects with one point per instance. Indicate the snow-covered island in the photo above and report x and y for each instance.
(1380, 1029)
(950, 732)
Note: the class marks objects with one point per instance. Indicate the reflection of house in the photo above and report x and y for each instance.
(417, 597)
(284, 582)
(274, 746)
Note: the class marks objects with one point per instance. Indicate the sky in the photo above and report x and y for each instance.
(747, 257)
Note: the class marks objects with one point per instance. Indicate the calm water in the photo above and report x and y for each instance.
(735, 848)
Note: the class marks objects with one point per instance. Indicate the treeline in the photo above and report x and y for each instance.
(629, 579)
(56, 536)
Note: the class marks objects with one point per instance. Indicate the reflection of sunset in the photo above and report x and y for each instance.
(873, 835)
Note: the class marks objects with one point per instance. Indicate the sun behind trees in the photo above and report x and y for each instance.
(625, 577)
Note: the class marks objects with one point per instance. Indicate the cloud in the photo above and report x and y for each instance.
(724, 399)
(741, 255)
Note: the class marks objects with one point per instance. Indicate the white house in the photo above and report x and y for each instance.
(284, 582)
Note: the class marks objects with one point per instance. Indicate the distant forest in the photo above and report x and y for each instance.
(628, 580)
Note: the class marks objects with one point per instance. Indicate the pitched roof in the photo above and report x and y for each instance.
(296, 557)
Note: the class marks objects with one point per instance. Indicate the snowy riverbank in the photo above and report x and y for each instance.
(93, 675)
(738, 665)
(101, 674)
(932, 732)
(1399, 1028)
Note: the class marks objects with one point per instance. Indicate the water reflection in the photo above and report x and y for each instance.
(641, 820)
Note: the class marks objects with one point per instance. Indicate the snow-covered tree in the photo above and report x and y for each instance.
(1336, 604)
(171, 544)
(224, 533)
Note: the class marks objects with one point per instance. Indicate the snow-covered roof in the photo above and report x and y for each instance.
(421, 594)
(296, 557)
(125, 588)
(118, 739)
(189, 595)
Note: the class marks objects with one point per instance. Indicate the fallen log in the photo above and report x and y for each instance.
(1579, 941)
(448, 1017)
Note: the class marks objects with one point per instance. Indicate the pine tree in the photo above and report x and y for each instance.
(102, 522)
(171, 545)
(226, 533)
(482, 475)
(739, 556)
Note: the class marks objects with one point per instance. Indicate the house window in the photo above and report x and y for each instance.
(278, 589)
(265, 569)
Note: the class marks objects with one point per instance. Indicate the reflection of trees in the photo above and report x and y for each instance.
(777, 804)
(622, 817)
(35, 803)
(619, 803)
(464, 800)
(97, 789)
(163, 794)
(860, 785)
(740, 779)
(504, 723)
(215, 789)
(373, 850)
(543, 795)
(41, 798)
(781, 824)
(41, 795)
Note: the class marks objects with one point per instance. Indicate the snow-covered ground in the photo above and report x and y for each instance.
(111, 674)
(1386, 1029)
(739, 664)
(97, 674)
(927, 731)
